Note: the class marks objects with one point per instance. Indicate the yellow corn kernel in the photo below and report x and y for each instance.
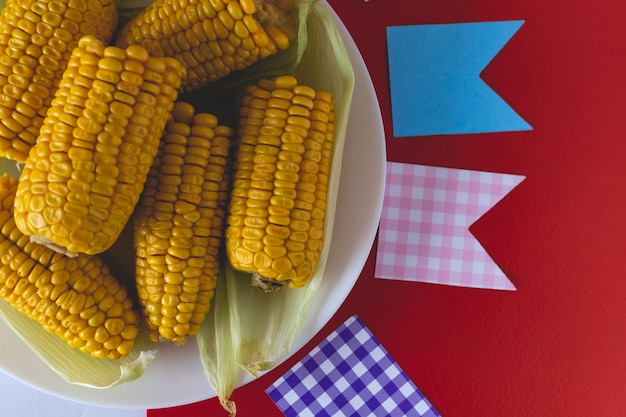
(39, 39)
(187, 183)
(275, 222)
(89, 305)
(212, 38)
(102, 154)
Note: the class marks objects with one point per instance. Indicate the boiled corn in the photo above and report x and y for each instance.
(84, 176)
(275, 224)
(76, 298)
(178, 225)
(36, 40)
(212, 38)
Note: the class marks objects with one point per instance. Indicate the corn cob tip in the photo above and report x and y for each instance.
(275, 16)
(40, 240)
(268, 285)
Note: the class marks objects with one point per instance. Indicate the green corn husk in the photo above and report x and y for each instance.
(264, 325)
(217, 351)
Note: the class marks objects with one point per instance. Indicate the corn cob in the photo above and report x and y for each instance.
(275, 224)
(76, 298)
(212, 38)
(178, 225)
(36, 40)
(84, 176)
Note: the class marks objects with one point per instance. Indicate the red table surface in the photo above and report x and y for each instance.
(557, 345)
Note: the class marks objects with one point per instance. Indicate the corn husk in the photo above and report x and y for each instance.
(74, 366)
(215, 342)
(264, 325)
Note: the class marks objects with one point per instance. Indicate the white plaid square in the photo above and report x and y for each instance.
(349, 374)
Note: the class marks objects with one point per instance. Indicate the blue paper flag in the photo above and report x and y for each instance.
(434, 74)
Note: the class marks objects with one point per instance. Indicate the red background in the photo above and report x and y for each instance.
(556, 346)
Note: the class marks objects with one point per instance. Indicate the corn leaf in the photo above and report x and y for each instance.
(215, 343)
(266, 324)
(263, 325)
(74, 366)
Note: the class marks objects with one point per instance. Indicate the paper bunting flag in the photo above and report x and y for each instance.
(424, 228)
(349, 373)
(434, 74)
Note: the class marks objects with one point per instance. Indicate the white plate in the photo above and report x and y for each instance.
(176, 377)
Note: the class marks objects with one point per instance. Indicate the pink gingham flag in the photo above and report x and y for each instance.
(424, 229)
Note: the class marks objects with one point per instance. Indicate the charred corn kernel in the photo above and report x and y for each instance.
(284, 145)
(77, 298)
(178, 225)
(35, 45)
(212, 38)
(86, 171)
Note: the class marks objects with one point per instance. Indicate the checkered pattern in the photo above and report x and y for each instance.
(424, 229)
(349, 374)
